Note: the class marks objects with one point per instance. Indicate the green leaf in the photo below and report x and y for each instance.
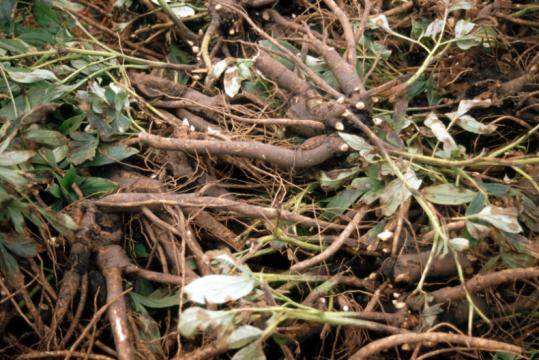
(476, 204)
(356, 142)
(242, 336)
(140, 251)
(83, 147)
(219, 289)
(15, 46)
(22, 246)
(37, 38)
(517, 260)
(108, 154)
(97, 186)
(46, 16)
(12, 177)
(269, 45)
(47, 137)
(195, 320)
(8, 265)
(448, 194)
(495, 189)
(334, 179)
(418, 28)
(253, 351)
(50, 157)
(72, 124)
(14, 212)
(339, 203)
(35, 102)
(15, 157)
(63, 223)
(6, 10)
(157, 299)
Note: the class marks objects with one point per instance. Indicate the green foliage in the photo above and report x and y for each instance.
(48, 139)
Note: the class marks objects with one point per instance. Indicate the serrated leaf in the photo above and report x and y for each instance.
(242, 336)
(219, 289)
(156, 300)
(503, 219)
(15, 157)
(195, 320)
(448, 194)
(28, 77)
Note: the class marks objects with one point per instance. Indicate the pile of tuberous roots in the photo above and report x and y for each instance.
(276, 208)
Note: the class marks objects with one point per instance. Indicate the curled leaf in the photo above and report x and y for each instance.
(440, 132)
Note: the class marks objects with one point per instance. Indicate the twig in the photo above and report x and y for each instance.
(481, 282)
(347, 29)
(63, 353)
(282, 157)
(111, 262)
(135, 201)
(335, 246)
(183, 31)
(377, 346)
